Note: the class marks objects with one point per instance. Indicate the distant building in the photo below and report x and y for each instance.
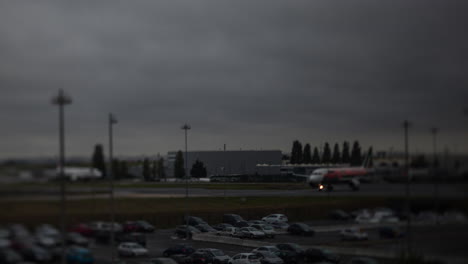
(229, 162)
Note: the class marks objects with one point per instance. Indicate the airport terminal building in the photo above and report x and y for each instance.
(228, 162)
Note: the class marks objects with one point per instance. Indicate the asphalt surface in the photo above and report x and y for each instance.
(374, 189)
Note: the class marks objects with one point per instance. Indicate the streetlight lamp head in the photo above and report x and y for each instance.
(186, 127)
(61, 99)
(112, 119)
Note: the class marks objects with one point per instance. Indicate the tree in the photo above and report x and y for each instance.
(154, 169)
(146, 170)
(316, 156)
(326, 155)
(161, 172)
(345, 158)
(370, 158)
(179, 169)
(116, 168)
(198, 170)
(306, 155)
(336, 158)
(98, 160)
(356, 158)
(123, 169)
(296, 152)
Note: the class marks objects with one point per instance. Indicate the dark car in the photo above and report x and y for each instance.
(197, 258)
(221, 227)
(205, 228)
(362, 260)
(313, 255)
(36, 254)
(9, 256)
(193, 221)
(77, 239)
(82, 229)
(144, 226)
(215, 256)
(183, 230)
(130, 226)
(340, 215)
(79, 255)
(131, 237)
(178, 249)
(291, 247)
(232, 218)
(241, 224)
(289, 257)
(390, 232)
(300, 229)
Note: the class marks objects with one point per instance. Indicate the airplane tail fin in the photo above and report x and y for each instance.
(368, 160)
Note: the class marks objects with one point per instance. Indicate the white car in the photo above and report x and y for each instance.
(228, 231)
(267, 229)
(271, 249)
(275, 218)
(131, 249)
(353, 234)
(245, 258)
(250, 232)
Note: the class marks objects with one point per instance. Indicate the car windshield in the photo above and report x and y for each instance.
(303, 226)
(253, 257)
(295, 246)
(268, 227)
(217, 252)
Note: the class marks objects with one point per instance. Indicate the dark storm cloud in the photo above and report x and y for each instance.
(252, 74)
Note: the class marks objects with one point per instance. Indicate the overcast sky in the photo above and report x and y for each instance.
(252, 74)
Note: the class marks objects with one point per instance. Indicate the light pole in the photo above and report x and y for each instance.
(186, 127)
(111, 122)
(406, 125)
(434, 169)
(61, 100)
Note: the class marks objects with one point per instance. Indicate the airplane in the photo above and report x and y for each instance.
(326, 178)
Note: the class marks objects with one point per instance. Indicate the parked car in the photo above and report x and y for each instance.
(130, 226)
(245, 258)
(241, 224)
(249, 232)
(47, 230)
(340, 215)
(222, 226)
(4, 233)
(256, 222)
(317, 255)
(193, 221)
(36, 254)
(19, 231)
(232, 218)
(271, 249)
(9, 256)
(197, 258)
(131, 249)
(159, 261)
(77, 239)
(301, 229)
(353, 233)
(267, 229)
(362, 260)
(144, 226)
(82, 229)
(268, 258)
(79, 255)
(280, 226)
(178, 249)
(184, 230)
(215, 256)
(131, 237)
(204, 228)
(46, 241)
(228, 231)
(292, 247)
(275, 218)
(390, 232)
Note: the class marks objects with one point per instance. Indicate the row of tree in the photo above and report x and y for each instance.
(198, 169)
(304, 155)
